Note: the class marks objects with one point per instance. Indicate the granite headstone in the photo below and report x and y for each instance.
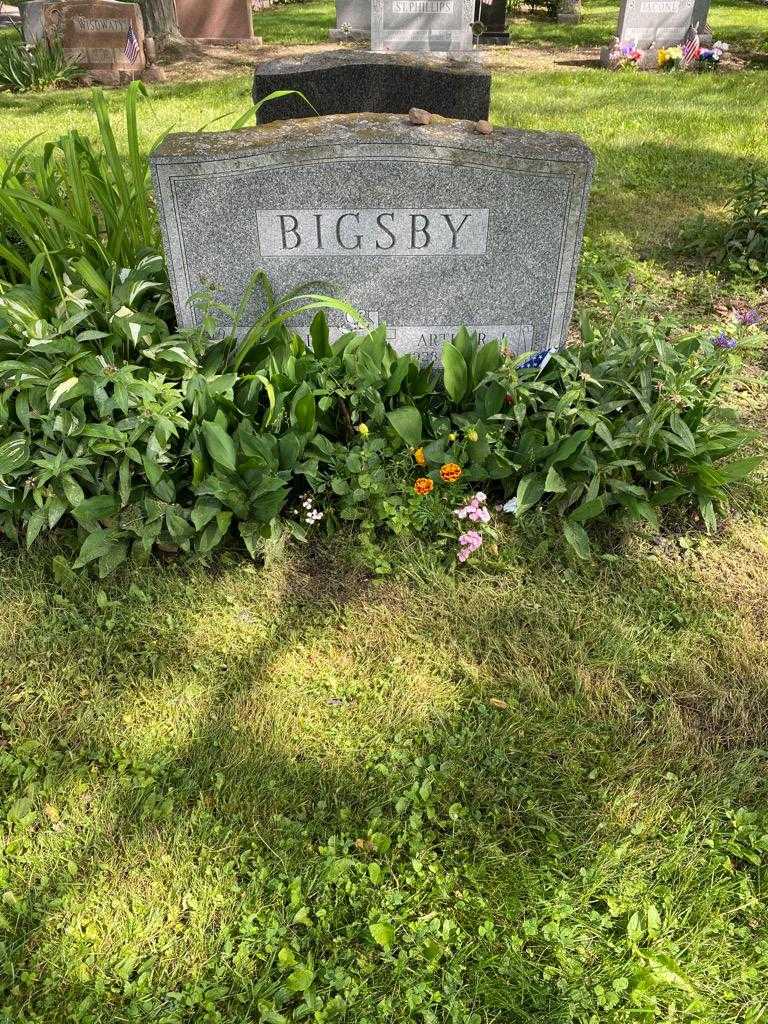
(492, 15)
(214, 20)
(660, 22)
(425, 228)
(101, 35)
(355, 81)
(437, 25)
(353, 21)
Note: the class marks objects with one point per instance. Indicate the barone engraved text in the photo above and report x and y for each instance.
(102, 25)
(300, 233)
(660, 7)
(422, 6)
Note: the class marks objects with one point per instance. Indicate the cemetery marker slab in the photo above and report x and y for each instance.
(101, 35)
(438, 25)
(426, 228)
(660, 22)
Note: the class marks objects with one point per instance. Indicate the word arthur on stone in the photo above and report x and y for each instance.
(660, 22)
(436, 25)
(98, 34)
(426, 229)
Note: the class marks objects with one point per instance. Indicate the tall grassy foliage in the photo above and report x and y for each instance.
(149, 439)
(34, 67)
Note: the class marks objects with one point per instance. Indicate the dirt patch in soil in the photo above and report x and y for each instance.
(201, 63)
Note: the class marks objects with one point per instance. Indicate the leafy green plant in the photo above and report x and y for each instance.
(34, 67)
(739, 244)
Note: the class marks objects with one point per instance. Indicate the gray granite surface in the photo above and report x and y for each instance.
(660, 22)
(353, 20)
(353, 81)
(425, 228)
(436, 25)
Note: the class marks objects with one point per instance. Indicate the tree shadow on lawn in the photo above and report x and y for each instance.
(272, 710)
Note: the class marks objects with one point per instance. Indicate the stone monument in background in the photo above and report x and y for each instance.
(437, 26)
(653, 24)
(353, 21)
(215, 20)
(427, 228)
(103, 36)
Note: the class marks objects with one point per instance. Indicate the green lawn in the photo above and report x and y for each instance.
(531, 796)
(743, 24)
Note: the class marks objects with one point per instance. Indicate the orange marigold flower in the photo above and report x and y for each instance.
(423, 485)
(450, 472)
(420, 457)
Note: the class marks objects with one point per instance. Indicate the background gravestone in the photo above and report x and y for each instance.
(101, 35)
(425, 228)
(343, 82)
(660, 22)
(493, 17)
(353, 21)
(437, 25)
(211, 20)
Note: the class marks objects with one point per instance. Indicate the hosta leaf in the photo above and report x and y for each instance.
(455, 372)
(220, 445)
(554, 483)
(14, 455)
(407, 423)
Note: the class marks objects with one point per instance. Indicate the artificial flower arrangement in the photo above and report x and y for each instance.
(625, 55)
(701, 58)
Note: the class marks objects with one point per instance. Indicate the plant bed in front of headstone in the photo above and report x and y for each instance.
(145, 439)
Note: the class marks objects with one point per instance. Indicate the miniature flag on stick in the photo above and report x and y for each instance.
(690, 47)
(537, 361)
(131, 50)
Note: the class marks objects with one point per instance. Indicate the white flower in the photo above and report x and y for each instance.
(510, 506)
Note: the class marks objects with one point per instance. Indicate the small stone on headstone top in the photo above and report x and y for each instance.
(418, 116)
(425, 230)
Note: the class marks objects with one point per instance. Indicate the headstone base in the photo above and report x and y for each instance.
(493, 39)
(338, 35)
(355, 81)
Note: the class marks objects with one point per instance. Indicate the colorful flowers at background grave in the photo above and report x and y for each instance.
(424, 485)
(624, 55)
(669, 58)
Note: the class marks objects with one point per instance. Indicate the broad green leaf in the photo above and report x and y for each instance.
(587, 510)
(529, 491)
(407, 423)
(300, 980)
(455, 372)
(303, 413)
(13, 455)
(383, 934)
(577, 537)
(554, 483)
(220, 445)
(319, 334)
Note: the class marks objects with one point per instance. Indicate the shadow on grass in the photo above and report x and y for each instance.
(242, 710)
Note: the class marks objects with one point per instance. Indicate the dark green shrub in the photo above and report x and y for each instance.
(738, 245)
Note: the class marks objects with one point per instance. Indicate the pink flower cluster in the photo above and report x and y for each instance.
(475, 510)
(469, 542)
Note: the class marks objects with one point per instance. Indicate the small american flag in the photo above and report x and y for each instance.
(537, 361)
(131, 50)
(690, 46)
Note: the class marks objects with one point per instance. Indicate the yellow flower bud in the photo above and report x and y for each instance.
(472, 435)
(451, 437)
(362, 429)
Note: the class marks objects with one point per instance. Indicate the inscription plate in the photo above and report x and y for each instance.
(100, 34)
(299, 233)
(436, 25)
(425, 229)
(660, 22)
